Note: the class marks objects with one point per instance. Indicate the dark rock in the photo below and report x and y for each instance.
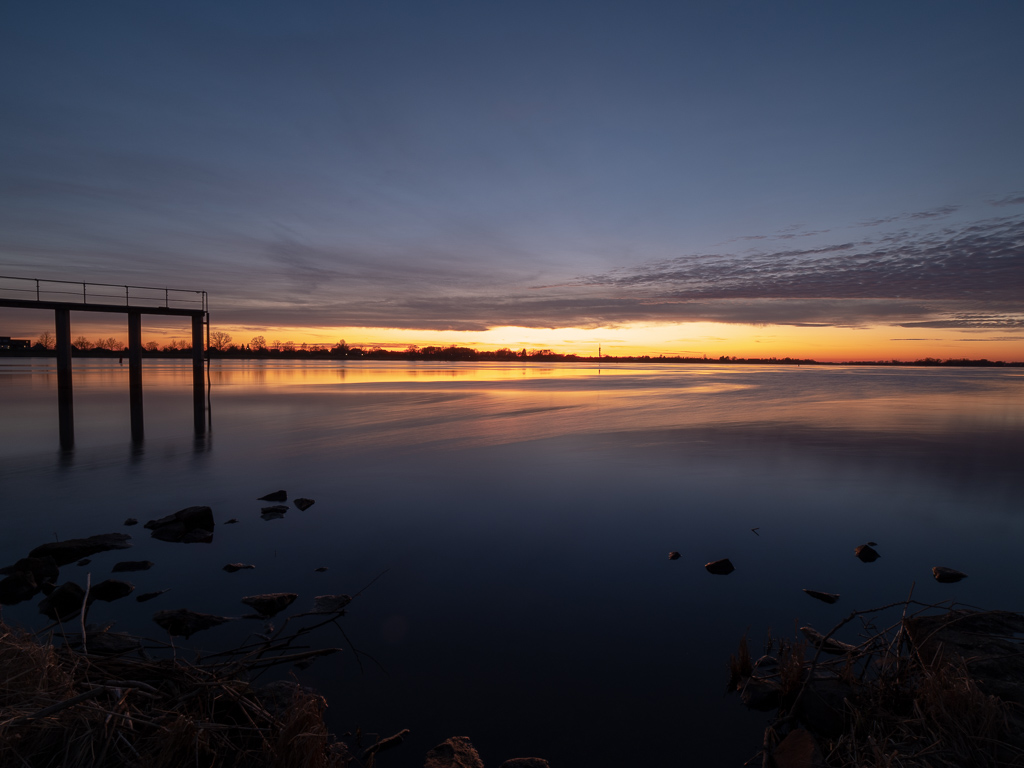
(321, 569)
(65, 601)
(131, 521)
(825, 597)
(823, 706)
(830, 645)
(275, 496)
(110, 590)
(232, 521)
(456, 752)
(720, 567)
(131, 565)
(798, 750)
(525, 762)
(330, 603)
(66, 552)
(270, 604)
(303, 504)
(866, 553)
(41, 568)
(760, 694)
(192, 525)
(185, 623)
(673, 555)
(150, 595)
(945, 575)
(232, 567)
(17, 588)
(84, 561)
(282, 508)
(273, 513)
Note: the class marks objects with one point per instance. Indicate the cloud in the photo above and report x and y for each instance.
(932, 213)
(1014, 199)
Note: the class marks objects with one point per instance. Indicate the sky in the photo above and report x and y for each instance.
(808, 179)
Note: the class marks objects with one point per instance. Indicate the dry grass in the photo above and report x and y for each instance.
(904, 698)
(64, 708)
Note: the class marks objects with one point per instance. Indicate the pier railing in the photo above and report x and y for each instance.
(102, 294)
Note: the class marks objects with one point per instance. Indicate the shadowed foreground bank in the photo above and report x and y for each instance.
(60, 706)
(928, 691)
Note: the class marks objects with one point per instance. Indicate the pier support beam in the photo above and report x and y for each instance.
(198, 385)
(65, 400)
(135, 374)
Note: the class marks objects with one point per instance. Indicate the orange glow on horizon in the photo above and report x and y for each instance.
(713, 340)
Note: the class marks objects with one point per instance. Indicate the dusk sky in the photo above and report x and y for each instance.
(814, 179)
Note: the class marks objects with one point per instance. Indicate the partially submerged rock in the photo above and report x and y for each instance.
(110, 590)
(65, 601)
(945, 575)
(232, 521)
(131, 565)
(41, 568)
(146, 596)
(270, 604)
(192, 525)
(70, 550)
(525, 762)
(303, 504)
(185, 623)
(330, 603)
(456, 752)
(282, 508)
(232, 567)
(275, 496)
(720, 567)
(673, 555)
(321, 569)
(825, 597)
(17, 588)
(131, 521)
(273, 513)
(827, 645)
(866, 553)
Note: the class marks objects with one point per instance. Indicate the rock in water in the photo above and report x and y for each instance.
(720, 567)
(232, 567)
(673, 555)
(149, 595)
(866, 553)
(945, 575)
(830, 645)
(304, 504)
(131, 521)
(456, 752)
(825, 597)
(17, 588)
(525, 762)
(185, 623)
(330, 603)
(275, 496)
(110, 590)
(270, 604)
(84, 561)
(66, 552)
(275, 512)
(232, 521)
(132, 565)
(191, 525)
(321, 569)
(43, 569)
(65, 601)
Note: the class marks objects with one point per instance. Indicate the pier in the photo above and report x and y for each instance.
(64, 297)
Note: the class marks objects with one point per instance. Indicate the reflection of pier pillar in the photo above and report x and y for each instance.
(135, 373)
(198, 388)
(65, 407)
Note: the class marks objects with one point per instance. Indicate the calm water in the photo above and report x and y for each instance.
(525, 514)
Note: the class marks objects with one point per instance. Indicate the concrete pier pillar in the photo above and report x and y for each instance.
(65, 399)
(135, 374)
(198, 385)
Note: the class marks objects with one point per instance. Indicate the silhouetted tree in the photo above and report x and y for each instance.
(219, 340)
(47, 340)
(82, 343)
(151, 346)
(258, 343)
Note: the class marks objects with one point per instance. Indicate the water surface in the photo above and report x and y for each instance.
(524, 514)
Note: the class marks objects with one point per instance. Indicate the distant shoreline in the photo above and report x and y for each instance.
(466, 354)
